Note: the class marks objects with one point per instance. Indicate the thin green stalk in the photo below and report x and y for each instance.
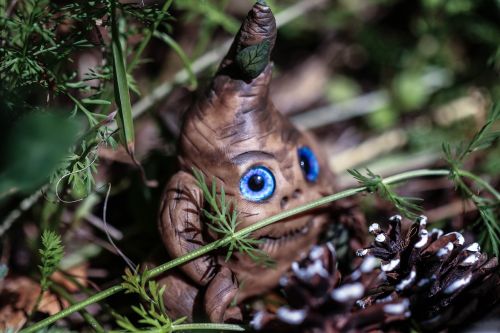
(87, 316)
(122, 94)
(73, 308)
(88, 113)
(207, 326)
(193, 82)
(227, 240)
(37, 304)
(481, 182)
(415, 174)
(147, 36)
(27, 34)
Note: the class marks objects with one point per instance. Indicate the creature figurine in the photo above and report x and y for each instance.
(235, 135)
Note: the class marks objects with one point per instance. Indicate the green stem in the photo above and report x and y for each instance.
(481, 182)
(87, 316)
(90, 117)
(208, 326)
(180, 53)
(227, 240)
(147, 36)
(74, 308)
(37, 304)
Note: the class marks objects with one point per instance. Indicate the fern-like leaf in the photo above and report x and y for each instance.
(223, 217)
(51, 254)
(375, 184)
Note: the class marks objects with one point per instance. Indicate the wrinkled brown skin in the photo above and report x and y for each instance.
(235, 127)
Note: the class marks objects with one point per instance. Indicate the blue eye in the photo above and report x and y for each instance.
(308, 163)
(257, 184)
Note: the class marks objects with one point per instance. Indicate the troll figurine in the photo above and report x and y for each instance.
(235, 135)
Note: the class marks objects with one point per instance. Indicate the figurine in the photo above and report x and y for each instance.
(235, 135)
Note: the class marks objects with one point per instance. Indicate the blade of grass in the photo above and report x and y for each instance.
(193, 83)
(122, 95)
(147, 36)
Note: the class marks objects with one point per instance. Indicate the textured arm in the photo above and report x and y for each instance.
(181, 227)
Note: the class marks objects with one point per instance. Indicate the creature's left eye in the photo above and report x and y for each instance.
(308, 163)
(257, 184)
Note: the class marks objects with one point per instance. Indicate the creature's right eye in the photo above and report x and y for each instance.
(257, 184)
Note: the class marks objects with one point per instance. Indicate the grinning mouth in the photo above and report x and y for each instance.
(271, 242)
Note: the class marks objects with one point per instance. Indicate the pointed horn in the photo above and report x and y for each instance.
(251, 50)
(237, 106)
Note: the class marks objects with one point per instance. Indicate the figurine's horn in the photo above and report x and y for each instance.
(250, 52)
(237, 105)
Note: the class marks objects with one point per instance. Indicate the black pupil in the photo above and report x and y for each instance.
(256, 183)
(304, 164)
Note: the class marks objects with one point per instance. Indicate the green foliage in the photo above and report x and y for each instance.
(211, 11)
(153, 317)
(223, 216)
(483, 139)
(51, 254)
(488, 207)
(193, 82)
(121, 83)
(375, 183)
(37, 144)
(36, 62)
(410, 90)
(39, 41)
(211, 15)
(25, 62)
(253, 60)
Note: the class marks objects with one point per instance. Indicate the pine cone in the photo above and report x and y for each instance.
(446, 281)
(317, 303)
(434, 279)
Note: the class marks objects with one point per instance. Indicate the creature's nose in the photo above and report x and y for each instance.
(296, 194)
